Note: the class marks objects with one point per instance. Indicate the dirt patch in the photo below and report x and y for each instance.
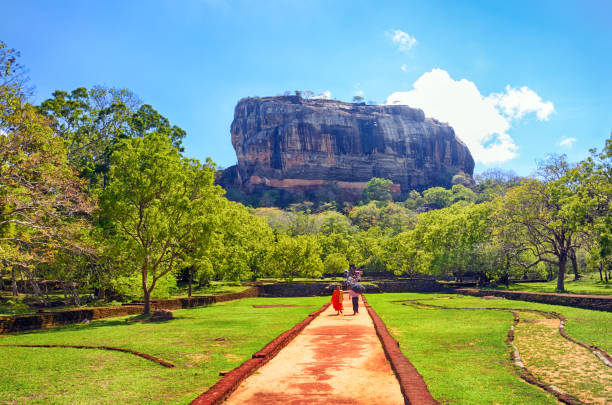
(232, 357)
(562, 363)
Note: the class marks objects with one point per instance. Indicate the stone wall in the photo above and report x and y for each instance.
(411, 285)
(326, 288)
(597, 302)
(22, 323)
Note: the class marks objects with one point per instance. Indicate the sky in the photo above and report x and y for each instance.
(517, 80)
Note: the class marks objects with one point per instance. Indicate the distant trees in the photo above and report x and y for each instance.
(377, 189)
(95, 191)
(357, 99)
(291, 257)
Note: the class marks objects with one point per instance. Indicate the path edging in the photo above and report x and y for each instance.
(117, 349)
(413, 386)
(226, 385)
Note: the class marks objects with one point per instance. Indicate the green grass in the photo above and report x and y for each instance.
(215, 288)
(78, 376)
(588, 284)
(462, 355)
(591, 327)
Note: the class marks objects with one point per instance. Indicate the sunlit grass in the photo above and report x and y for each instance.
(200, 342)
(462, 355)
(588, 284)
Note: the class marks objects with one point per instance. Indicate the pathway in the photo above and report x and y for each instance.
(336, 359)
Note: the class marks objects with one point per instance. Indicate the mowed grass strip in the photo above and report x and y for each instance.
(588, 326)
(462, 355)
(588, 284)
(200, 342)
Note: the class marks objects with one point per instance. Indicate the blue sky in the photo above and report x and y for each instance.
(517, 80)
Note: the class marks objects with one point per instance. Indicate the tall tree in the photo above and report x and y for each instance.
(155, 200)
(548, 213)
(42, 204)
(94, 121)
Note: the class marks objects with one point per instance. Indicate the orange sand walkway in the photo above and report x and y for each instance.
(336, 359)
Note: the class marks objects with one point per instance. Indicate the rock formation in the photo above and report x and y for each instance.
(327, 149)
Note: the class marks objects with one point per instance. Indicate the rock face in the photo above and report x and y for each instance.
(330, 149)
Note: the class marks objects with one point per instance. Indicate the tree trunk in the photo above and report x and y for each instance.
(561, 275)
(35, 286)
(75, 293)
(572, 256)
(190, 281)
(147, 302)
(14, 283)
(24, 286)
(600, 268)
(507, 272)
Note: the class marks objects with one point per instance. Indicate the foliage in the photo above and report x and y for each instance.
(335, 263)
(438, 197)
(42, 205)
(158, 203)
(292, 257)
(545, 214)
(94, 121)
(377, 189)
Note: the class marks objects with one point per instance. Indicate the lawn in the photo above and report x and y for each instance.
(214, 288)
(462, 355)
(588, 284)
(200, 342)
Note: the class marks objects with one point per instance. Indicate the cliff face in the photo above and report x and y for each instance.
(297, 145)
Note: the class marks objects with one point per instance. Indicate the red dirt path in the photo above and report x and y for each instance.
(337, 359)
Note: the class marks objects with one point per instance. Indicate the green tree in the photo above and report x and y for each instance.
(93, 122)
(438, 197)
(594, 195)
(292, 257)
(447, 241)
(549, 215)
(335, 263)
(42, 204)
(155, 200)
(377, 189)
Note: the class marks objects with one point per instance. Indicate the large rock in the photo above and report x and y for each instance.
(316, 146)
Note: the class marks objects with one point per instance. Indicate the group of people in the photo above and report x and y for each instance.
(353, 276)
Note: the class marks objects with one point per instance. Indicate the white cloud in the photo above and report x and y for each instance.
(567, 142)
(326, 95)
(404, 67)
(481, 122)
(358, 92)
(516, 103)
(404, 40)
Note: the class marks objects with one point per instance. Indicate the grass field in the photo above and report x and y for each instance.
(588, 284)
(462, 355)
(200, 342)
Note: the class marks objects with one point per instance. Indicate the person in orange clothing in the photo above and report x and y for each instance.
(337, 298)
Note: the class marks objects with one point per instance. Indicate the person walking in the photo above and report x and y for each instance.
(336, 300)
(355, 298)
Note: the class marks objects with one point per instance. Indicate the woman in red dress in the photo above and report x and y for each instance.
(337, 298)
